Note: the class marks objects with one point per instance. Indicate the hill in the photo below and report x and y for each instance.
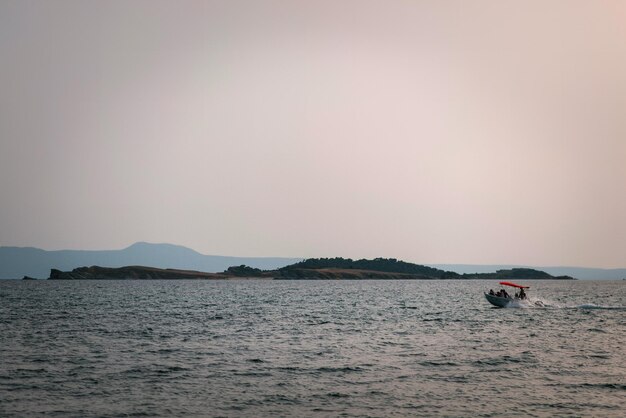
(17, 262)
(390, 268)
(131, 273)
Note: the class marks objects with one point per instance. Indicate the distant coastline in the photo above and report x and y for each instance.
(310, 269)
(15, 263)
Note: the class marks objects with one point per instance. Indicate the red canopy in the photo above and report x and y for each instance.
(514, 285)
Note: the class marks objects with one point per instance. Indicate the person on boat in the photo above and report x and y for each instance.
(491, 292)
(522, 294)
(504, 294)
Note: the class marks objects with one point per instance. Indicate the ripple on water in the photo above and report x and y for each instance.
(391, 348)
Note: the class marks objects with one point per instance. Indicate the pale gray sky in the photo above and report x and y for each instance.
(431, 131)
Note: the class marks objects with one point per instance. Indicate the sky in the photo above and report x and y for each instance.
(480, 132)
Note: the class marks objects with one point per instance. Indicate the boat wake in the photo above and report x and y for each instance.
(546, 304)
(541, 303)
(593, 306)
(530, 303)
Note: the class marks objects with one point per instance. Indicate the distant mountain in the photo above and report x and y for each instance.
(16, 262)
(584, 273)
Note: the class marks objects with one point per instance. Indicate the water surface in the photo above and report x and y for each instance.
(309, 348)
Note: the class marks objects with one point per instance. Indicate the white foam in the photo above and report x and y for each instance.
(531, 303)
(593, 306)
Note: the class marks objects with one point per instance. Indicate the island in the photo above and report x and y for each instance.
(130, 273)
(310, 269)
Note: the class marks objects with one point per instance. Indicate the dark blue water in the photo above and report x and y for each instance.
(285, 348)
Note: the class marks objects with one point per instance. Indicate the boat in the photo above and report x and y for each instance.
(503, 301)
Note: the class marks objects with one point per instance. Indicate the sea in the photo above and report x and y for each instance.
(262, 348)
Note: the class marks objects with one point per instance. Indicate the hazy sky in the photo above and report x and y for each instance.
(431, 131)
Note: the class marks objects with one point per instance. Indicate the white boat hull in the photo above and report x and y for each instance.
(498, 301)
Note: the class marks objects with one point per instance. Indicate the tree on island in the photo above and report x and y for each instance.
(243, 271)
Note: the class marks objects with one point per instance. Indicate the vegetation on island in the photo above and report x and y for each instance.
(389, 265)
(244, 271)
(516, 274)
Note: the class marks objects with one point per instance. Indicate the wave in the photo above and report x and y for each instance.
(346, 369)
(531, 303)
(547, 304)
(594, 306)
